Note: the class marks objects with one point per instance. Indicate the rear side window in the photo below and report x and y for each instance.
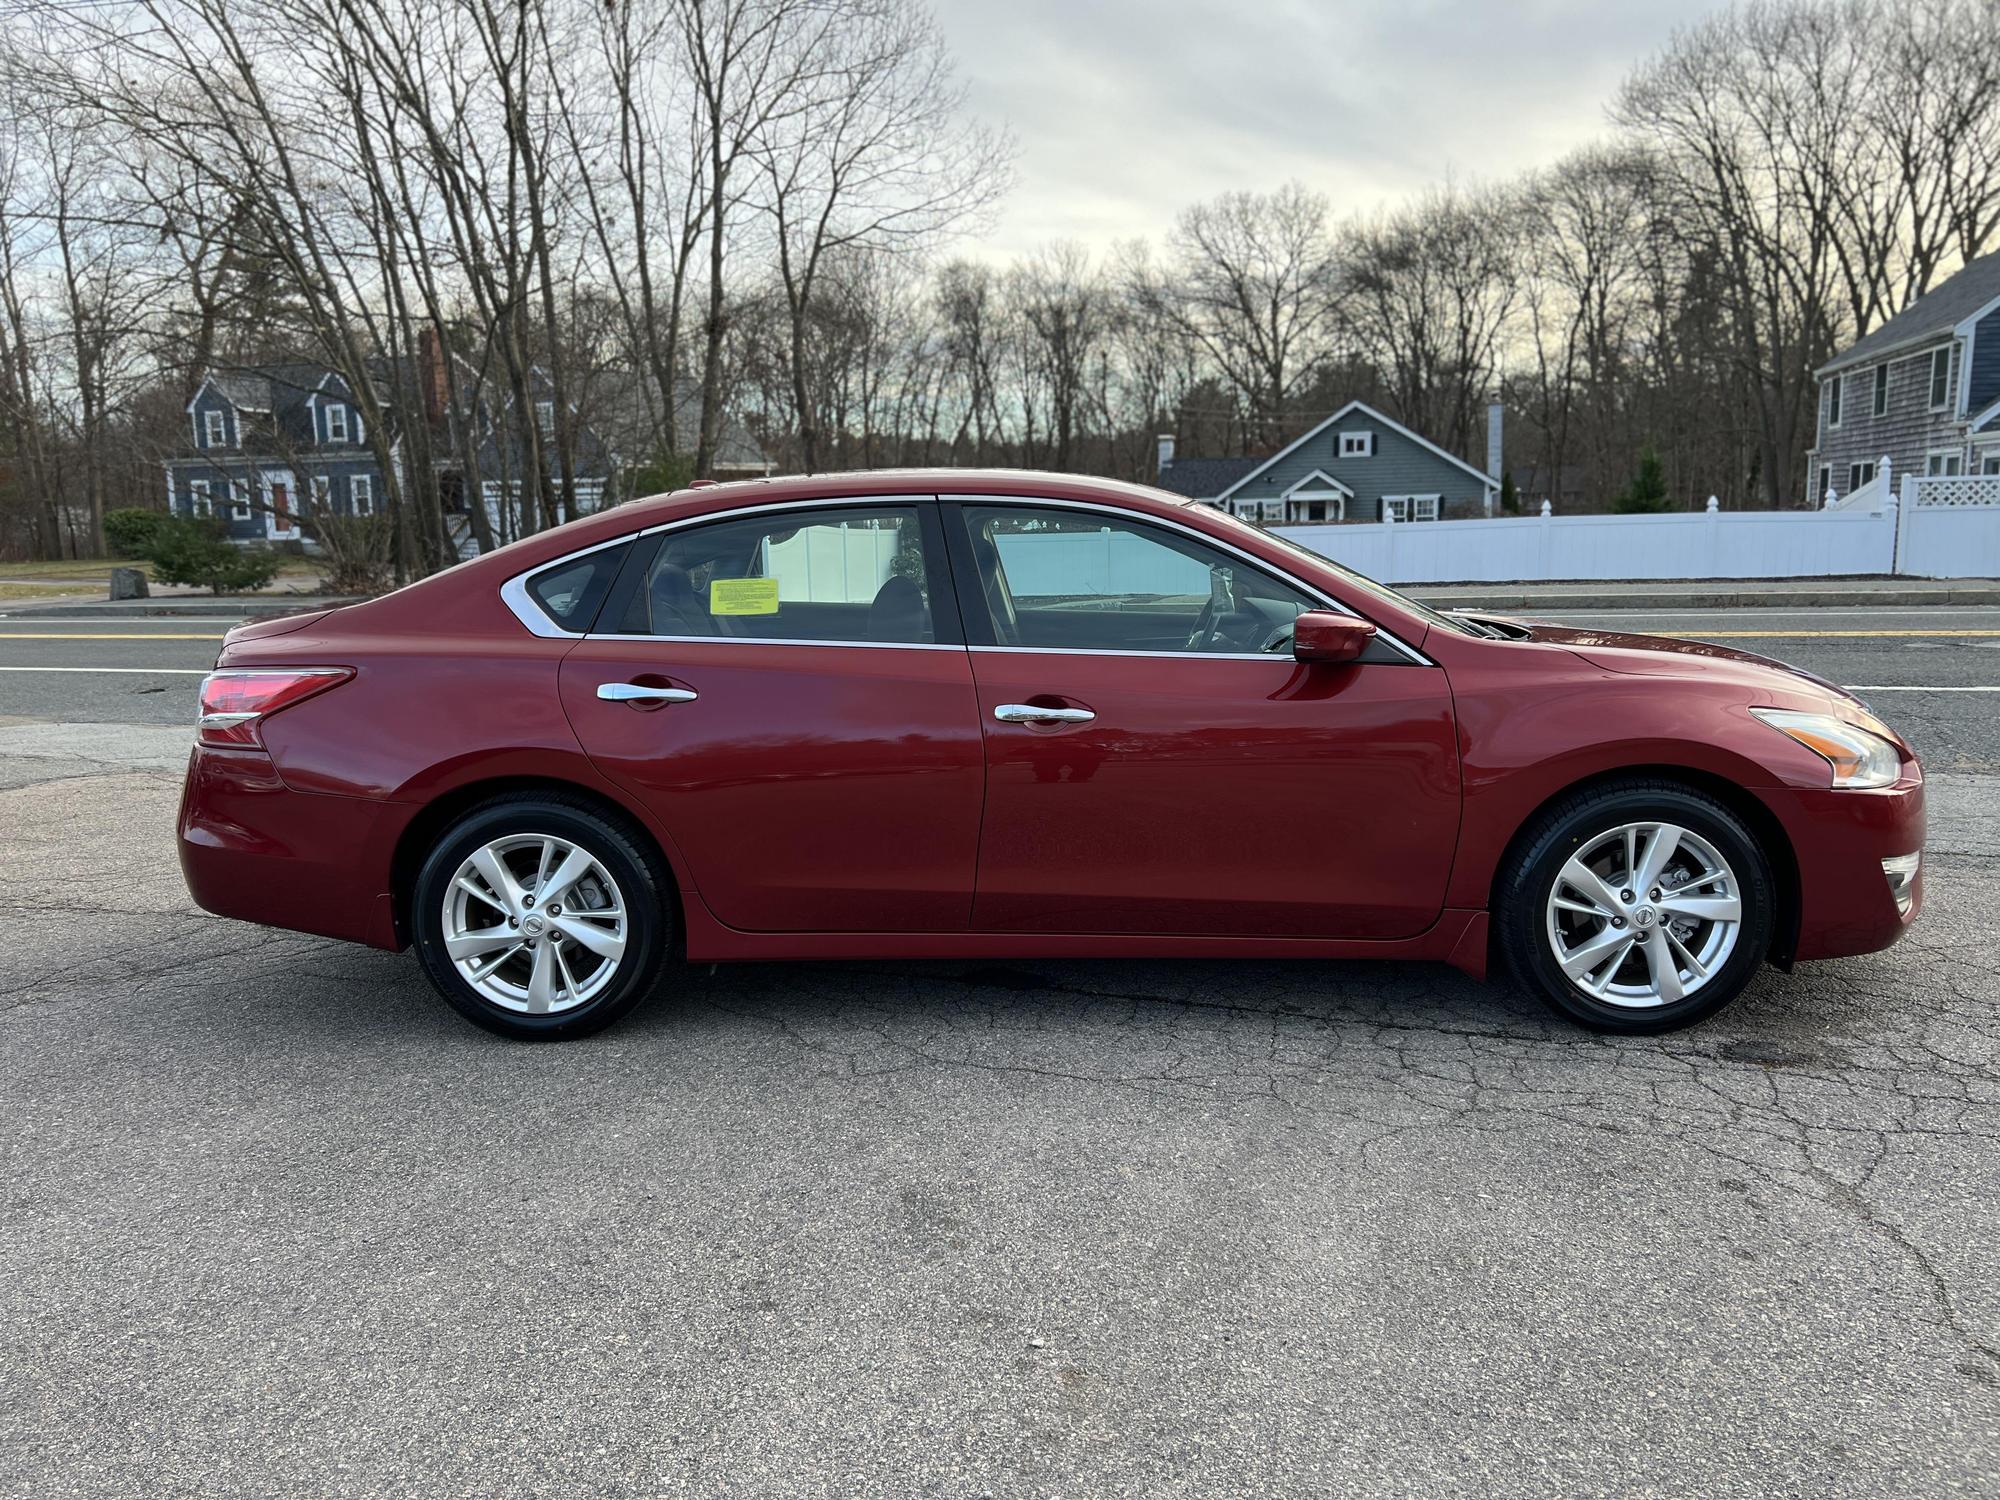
(859, 574)
(571, 593)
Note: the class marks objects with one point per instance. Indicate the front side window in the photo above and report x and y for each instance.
(1084, 581)
(856, 575)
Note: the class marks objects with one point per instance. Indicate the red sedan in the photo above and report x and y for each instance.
(954, 714)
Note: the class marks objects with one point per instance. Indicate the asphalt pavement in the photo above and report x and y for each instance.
(276, 1222)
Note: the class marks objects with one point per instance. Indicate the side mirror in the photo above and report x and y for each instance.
(1320, 635)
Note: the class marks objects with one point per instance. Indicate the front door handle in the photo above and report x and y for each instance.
(1029, 713)
(638, 692)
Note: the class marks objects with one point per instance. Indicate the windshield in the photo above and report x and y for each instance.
(1367, 585)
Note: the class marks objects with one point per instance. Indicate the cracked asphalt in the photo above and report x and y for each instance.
(276, 1222)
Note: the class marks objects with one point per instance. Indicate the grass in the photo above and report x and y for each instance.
(50, 590)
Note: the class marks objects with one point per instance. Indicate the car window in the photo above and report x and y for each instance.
(571, 593)
(1082, 580)
(836, 575)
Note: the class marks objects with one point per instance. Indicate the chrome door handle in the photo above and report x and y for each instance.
(633, 692)
(1028, 713)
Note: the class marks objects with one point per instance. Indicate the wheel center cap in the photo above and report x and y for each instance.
(532, 925)
(1642, 916)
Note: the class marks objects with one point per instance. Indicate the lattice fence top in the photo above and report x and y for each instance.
(1960, 490)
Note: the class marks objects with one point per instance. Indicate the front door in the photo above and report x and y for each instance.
(786, 691)
(1190, 777)
(279, 523)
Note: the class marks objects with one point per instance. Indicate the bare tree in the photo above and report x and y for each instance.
(1252, 281)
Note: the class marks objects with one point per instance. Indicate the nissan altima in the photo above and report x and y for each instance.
(1000, 714)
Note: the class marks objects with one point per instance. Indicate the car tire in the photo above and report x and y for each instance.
(1610, 954)
(491, 892)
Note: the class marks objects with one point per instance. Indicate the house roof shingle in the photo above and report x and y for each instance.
(1932, 315)
(1204, 478)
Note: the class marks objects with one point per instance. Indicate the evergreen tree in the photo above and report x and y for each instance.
(1648, 489)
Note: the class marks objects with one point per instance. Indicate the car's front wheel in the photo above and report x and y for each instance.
(1637, 907)
(541, 918)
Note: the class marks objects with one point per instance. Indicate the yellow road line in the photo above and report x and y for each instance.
(106, 635)
(1815, 635)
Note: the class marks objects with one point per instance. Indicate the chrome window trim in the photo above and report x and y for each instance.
(755, 640)
(1030, 503)
(514, 592)
(1109, 651)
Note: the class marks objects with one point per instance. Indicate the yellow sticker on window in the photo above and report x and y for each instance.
(743, 596)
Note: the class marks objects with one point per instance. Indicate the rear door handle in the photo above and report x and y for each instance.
(1028, 713)
(638, 692)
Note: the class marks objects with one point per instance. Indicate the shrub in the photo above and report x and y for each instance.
(193, 551)
(130, 530)
(1648, 490)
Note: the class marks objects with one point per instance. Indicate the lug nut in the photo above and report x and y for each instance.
(513, 921)
(530, 900)
(1624, 895)
(1656, 893)
(556, 911)
(1617, 921)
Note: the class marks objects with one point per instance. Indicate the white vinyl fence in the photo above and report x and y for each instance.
(1950, 527)
(1710, 544)
(1940, 528)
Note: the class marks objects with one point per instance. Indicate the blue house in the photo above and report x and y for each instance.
(271, 441)
(1357, 465)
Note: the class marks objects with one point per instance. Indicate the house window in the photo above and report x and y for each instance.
(361, 492)
(545, 418)
(1940, 377)
(214, 430)
(200, 502)
(239, 497)
(1357, 444)
(1990, 464)
(1411, 507)
(320, 496)
(1943, 463)
(1833, 400)
(1825, 483)
(1858, 475)
(336, 424)
(1881, 390)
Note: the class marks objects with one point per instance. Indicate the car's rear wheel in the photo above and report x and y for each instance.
(541, 918)
(1637, 907)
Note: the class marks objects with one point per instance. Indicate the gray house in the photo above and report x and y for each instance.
(1357, 465)
(1923, 390)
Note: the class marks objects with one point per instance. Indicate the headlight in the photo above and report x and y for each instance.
(1859, 757)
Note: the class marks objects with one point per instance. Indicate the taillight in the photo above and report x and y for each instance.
(232, 703)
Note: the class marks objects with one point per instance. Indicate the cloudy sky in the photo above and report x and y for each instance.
(1127, 110)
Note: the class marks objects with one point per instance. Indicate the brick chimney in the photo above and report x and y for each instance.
(432, 376)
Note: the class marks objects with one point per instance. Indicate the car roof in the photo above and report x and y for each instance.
(701, 497)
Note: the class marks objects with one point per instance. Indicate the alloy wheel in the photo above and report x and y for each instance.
(1644, 915)
(535, 923)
